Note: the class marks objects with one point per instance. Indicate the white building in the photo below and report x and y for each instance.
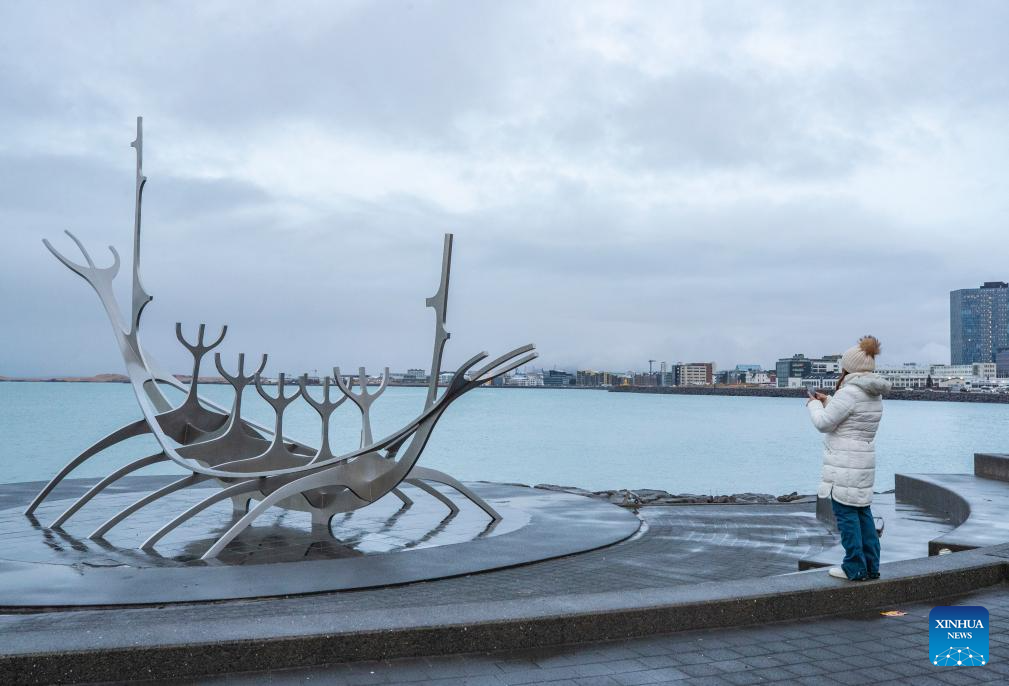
(825, 366)
(907, 377)
(820, 382)
(758, 377)
(697, 374)
(982, 371)
(524, 380)
(415, 376)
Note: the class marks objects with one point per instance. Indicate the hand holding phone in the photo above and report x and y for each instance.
(809, 392)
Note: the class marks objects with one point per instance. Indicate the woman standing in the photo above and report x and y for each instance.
(849, 419)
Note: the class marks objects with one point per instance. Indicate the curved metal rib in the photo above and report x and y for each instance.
(137, 428)
(147, 500)
(236, 489)
(431, 490)
(104, 483)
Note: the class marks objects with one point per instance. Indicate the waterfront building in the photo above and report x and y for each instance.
(590, 378)
(978, 322)
(909, 376)
(797, 366)
(800, 367)
(415, 376)
(1002, 363)
(529, 380)
(733, 377)
(820, 382)
(697, 374)
(748, 367)
(980, 371)
(829, 364)
(558, 378)
(759, 377)
(646, 379)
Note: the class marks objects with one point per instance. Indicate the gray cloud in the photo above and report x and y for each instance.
(674, 181)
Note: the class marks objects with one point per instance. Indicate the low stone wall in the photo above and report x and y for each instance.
(941, 396)
(991, 466)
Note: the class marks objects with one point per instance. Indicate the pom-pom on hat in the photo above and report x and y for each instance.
(862, 357)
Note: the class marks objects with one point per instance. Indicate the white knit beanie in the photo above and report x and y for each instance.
(862, 357)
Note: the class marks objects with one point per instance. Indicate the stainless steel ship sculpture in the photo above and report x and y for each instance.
(256, 466)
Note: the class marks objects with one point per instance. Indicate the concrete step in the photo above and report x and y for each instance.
(976, 505)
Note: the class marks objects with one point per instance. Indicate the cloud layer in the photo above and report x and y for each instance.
(627, 181)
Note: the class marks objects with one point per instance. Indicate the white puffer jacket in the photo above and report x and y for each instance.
(850, 420)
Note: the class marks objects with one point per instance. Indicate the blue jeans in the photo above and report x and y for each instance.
(860, 541)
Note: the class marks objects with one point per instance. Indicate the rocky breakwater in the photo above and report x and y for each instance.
(649, 496)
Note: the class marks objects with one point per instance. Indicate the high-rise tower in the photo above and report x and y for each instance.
(978, 322)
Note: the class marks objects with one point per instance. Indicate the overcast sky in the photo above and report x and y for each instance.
(626, 181)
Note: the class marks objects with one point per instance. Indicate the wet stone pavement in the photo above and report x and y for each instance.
(277, 536)
(678, 545)
(865, 648)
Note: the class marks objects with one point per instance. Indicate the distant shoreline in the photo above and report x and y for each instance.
(758, 392)
(923, 395)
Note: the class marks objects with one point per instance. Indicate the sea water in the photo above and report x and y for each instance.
(587, 438)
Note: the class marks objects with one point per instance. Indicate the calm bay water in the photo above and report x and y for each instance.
(592, 439)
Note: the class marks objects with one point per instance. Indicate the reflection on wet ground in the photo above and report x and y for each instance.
(277, 536)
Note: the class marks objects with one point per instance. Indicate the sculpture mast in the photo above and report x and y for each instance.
(140, 296)
(439, 303)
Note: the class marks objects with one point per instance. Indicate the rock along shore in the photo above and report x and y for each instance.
(649, 496)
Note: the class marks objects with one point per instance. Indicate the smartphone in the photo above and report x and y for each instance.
(810, 393)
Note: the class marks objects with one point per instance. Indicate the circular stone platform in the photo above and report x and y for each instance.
(382, 545)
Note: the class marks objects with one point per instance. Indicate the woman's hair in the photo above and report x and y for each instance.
(869, 345)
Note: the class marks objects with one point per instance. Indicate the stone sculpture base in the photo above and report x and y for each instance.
(283, 554)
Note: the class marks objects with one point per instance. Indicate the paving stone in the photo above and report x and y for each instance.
(732, 666)
(700, 670)
(650, 676)
(746, 678)
(602, 680)
(685, 659)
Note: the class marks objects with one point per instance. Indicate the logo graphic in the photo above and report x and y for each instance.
(958, 636)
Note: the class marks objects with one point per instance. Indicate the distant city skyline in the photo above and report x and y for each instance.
(626, 181)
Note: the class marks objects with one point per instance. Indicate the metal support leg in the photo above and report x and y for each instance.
(104, 483)
(286, 491)
(147, 500)
(402, 496)
(431, 490)
(237, 489)
(443, 478)
(137, 428)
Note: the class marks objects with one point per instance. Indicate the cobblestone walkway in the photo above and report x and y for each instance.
(857, 649)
